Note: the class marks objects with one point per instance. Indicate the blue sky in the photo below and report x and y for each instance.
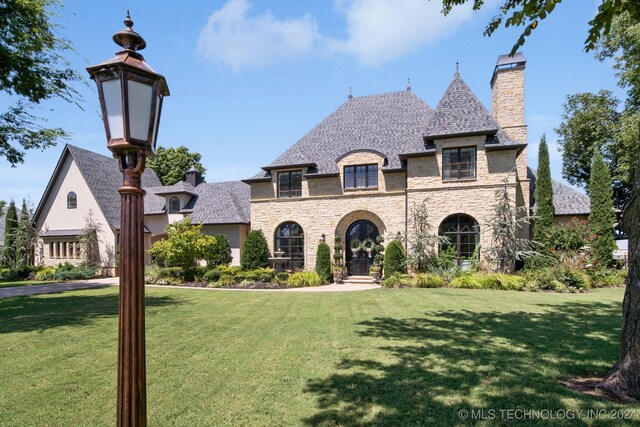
(248, 78)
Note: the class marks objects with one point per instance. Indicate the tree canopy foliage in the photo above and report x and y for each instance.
(529, 13)
(171, 164)
(32, 69)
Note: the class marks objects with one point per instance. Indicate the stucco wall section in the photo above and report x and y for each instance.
(236, 233)
(55, 215)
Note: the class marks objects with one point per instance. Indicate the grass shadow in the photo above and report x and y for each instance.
(433, 366)
(41, 312)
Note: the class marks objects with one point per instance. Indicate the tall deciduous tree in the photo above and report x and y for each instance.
(543, 193)
(32, 69)
(171, 164)
(602, 214)
(10, 227)
(624, 377)
(529, 13)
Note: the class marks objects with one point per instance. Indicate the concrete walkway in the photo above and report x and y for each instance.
(327, 288)
(57, 287)
(113, 281)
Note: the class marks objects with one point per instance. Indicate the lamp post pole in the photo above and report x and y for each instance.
(131, 95)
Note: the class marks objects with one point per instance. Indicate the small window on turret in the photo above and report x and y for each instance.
(174, 205)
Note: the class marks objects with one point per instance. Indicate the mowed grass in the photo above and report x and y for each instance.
(382, 357)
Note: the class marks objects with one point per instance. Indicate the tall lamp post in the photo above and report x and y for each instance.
(131, 96)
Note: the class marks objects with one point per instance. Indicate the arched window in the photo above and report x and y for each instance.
(72, 200)
(290, 240)
(463, 233)
(174, 205)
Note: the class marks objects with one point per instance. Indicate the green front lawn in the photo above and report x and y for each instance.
(24, 283)
(385, 357)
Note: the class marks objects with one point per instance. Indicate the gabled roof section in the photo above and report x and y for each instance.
(180, 187)
(212, 203)
(566, 200)
(391, 123)
(459, 113)
(103, 177)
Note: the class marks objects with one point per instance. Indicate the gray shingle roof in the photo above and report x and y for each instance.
(566, 200)
(104, 179)
(180, 187)
(460, 112)
(61, 233)
(391, 123)
(212, 203)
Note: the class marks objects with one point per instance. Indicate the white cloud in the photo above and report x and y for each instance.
(381, 30)
(377, 31)
(237, 40)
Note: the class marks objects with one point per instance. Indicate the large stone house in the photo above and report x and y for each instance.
(86, 184)
(362, 170)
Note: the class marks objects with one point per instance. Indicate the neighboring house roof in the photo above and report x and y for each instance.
(61, 233)
(391, 123)
(103, 177)
(566, 200)
(211, 203)
(396, 124)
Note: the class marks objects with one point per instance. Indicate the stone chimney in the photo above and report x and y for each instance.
(507, 95)
(193, 176)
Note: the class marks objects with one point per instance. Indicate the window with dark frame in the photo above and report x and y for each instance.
(289, 184)
(289, 238)
(459, 163)
(174, 205)
(72, 200)
(361, 176)
(462, 233)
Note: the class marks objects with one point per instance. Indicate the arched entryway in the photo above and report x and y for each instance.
(361, 235)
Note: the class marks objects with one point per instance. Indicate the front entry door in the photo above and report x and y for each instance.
(360, 260)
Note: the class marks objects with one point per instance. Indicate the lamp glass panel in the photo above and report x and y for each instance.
(140, 98)
(112, 93)
(157, 116)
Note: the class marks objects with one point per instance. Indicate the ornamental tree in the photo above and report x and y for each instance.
(543, 194)
(255, 251)
(184, 246)
(171, 164)
(10, 228)
(219, 253)
(602, 214)
(323, 262)
(394, 258)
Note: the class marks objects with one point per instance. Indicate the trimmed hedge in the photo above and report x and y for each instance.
(323, 262)
(394, 259)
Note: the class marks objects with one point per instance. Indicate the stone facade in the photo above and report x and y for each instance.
(327, 208)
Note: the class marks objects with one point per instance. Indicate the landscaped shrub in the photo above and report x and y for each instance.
(606, 277)
(228, 270)
(226, 280)
(466, 281)
(282, 278)
(572, 277)
(303, 279)
(505, 282)
(67, 271)
(255, 251)
(164, 275)
(428, 280)
(45, 273)
(184, 246)
(212, 275)
(218, 253)
(323, 262)
(394, 259)
(13, 274)
(397, 280)
(543, 279)
(256, 275)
